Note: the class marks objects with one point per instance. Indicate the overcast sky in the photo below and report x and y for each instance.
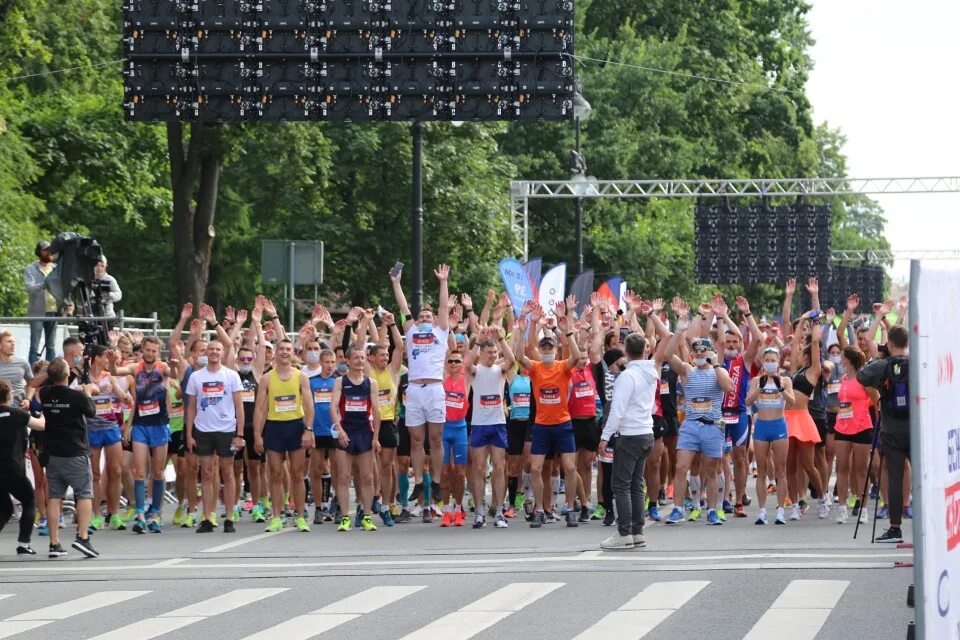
(886, 74)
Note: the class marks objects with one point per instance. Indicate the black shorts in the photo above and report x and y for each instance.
(324, 443)
(831, 422)
(219, 443)
(586, 434)
(36, 444)
(177, 445)
(403, 439)
(671, 426)
(248, 442)
(361, 441)
(518, 434)
(821, 422)
(389, 435)
(864, 437)
(659, 427)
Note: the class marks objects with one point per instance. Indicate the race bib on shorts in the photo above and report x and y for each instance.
(664, 388)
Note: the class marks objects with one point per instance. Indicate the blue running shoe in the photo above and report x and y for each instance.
(654, 513)
(377, 506)
(883, 513)
(154, 526)
(675, 517)
(874, 492)
(356, 521)
(727, 507)
(908, 512)
(687, 504)
(43, 530)
(713, 518)
(387, 518)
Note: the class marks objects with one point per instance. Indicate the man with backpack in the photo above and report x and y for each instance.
(891, 377)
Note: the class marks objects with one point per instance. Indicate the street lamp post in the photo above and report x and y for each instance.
(578, 169)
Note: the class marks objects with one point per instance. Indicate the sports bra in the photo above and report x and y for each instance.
(802, 384)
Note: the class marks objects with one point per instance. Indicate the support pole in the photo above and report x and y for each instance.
(579, 211)
(416, 218)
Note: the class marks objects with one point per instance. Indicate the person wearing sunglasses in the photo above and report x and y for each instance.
(456, 387)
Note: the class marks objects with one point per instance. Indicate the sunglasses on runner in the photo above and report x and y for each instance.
(454, 361)
(245, 360)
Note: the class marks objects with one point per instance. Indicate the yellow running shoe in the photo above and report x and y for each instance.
(367, 523)
(302, 525)
(214, 521)
(179, 515)
(344, 524)
(276, 524)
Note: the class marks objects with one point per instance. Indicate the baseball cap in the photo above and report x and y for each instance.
(546, 341)
(702, 343)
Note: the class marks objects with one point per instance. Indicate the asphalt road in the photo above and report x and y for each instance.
(806, 580)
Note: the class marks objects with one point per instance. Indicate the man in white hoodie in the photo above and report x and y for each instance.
(631, 416)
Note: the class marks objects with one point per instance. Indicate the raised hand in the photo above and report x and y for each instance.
(466, 301)
(186, 312)
(354, 314)
(886, 307)
(456, 314)
(853, 301)
(657, 304)
(646, 308)
(504, 301)
(903, 305)
(230, 315)
(137, 337)
(704, 309)
(813, 286)
(528, 306)
(269, 307)
(196, 325)
(242, 317)
(387, 319)
(395, 277)
(791, 286)
(743, 305)
(491, 296)
(587, 311)
(571, 301)
(207, 313)
(831, 315)
(256, 316)
(595, 299)
(560, 309)
(718, 306)
(442, 272)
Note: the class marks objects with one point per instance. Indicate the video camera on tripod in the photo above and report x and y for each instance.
(73, 281)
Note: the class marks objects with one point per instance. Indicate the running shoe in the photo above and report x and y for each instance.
(57, 551)
(753, 469)
(358, 517)
(154, 526)
(761, 517)
(366, 522)
(864, 516)
(893, 534)
(344, 524)
(427, 516)
(213, 520)
(795, 512)
(205, 527)
(654, 513)
(435, 490)
(727, 507)
(328, 514)
(804, 507)
(499, 521)
(228, 527)
(639, 541)
(842, 514)
(739, 512)
(42, 528)
(687, 504)
(823, 508)
(721, 515)
(509, 512)
(387, 518)
(617, 542)
(26, 551)
(518, 502)
(882, 514)
(96, 523)
(528, 507)
(675, 517)
(713, 518)
(236, 514)
(609, 518)
(458, 519)
(745, 500)
(694, 514)
(116, 523)
(405, 516)
(179, 515)
(908, 512)
(377, 506)
(781, 518)
(447, 519)
(256, 514)
(572, 519)
(855, 506)
(874, 492)
(538, 519)
(662, 498)
(276, 524)
(139, 524)
(563, 487)
(549, 517)
(129, 514)
(302, 525)
(584, 514)
(598, 513)
(394, 511)
(189, 522)
(479, 520)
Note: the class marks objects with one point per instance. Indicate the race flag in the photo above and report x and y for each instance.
(534, 268)
(610, 290)
(553, 287)
(516, 283)
(582, 287)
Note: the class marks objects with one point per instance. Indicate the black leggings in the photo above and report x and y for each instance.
(607, 469)
(18, 485)
(896, 451)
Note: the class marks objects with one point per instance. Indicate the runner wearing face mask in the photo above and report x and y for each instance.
(770, 392)
(834, 355)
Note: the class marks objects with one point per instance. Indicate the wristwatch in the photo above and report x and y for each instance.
(309, 428)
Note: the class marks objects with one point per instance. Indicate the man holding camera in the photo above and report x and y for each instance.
(41, 302)
(107, 288)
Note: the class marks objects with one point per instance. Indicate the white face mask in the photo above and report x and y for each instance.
(245, 368)
(730, 354)
(202, 361)
(836, 360)
(313, 357)
(771, 367)
(548, 358)
(700, 361)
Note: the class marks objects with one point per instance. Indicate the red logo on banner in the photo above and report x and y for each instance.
(945, 369)
(952, 504)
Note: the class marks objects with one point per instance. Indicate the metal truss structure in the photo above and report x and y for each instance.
(884, 255)
(522, 191)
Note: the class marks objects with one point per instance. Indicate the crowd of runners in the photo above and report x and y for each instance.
(462, 418)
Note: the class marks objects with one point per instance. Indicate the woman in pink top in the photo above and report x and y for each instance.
(854, 431)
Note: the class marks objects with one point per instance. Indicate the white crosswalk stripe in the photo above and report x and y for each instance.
(178, 618)
(485, 612)
(335, 614)
(644, 611)
(44, 616)
(800, 611)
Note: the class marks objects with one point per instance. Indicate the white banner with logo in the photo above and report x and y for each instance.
(935, 425)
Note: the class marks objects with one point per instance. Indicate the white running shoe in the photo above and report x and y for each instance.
(761, 516)
(864, 516)
(795, 512)
(823, 509)
(781, 519)
(842, 514)
(617, 542)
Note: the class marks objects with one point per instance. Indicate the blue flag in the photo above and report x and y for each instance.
(516, 282)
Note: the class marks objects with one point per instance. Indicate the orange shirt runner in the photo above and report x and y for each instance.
(551, 387)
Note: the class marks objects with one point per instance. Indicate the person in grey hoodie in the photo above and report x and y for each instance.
(41, 302)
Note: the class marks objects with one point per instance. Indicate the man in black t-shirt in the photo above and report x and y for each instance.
(65, 411)
(13, 476)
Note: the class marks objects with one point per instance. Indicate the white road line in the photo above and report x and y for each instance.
(40, 617)
(800, 611)
(178, 618)
(335, 614)
(645, 611)
(168, 563)
(485, 612)
(233, 544)
(6, 595)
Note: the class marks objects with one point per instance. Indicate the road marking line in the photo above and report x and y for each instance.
(335, 614)
(178, 618)
(168, 563)
(40, 617)
(242, 541)
(800, 611)
(485, 612)
(645, 611)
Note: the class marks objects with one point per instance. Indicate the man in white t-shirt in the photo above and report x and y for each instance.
(631, 416)
(214, 426)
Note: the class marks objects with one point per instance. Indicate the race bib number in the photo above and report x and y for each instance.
(833, 388)
(664, 388)
(549, 396)
(768, 399)
(845, 411)
(248, 395)
(176, 410)
(731, 416)
(423, 340)
(149, 408)
(582, 390)
(521, 400)
(322, 396)
(104, 406)
(212, 390)
(284, 404)
(454, 400)
(385, 397)
(491, 401)
(701, 405)
(355, 405)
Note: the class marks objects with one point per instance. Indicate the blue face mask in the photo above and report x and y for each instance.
(77, 360)
(426, 327)
(342, 367)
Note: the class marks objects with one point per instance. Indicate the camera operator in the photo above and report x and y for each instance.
(106, 287)
(41, 302)
(890, 376)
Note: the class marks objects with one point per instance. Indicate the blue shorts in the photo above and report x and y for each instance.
(702, 438)
(361, 440)
(556, 438)
(737, 433)
(282, 436)
(152, 435)
(489, 435)
(770, 430)
(455, 442)
(104, 438)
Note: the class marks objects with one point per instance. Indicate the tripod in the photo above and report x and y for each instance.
(866, 485)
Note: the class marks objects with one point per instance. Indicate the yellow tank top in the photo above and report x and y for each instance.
(284, 402)
(388, 394)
